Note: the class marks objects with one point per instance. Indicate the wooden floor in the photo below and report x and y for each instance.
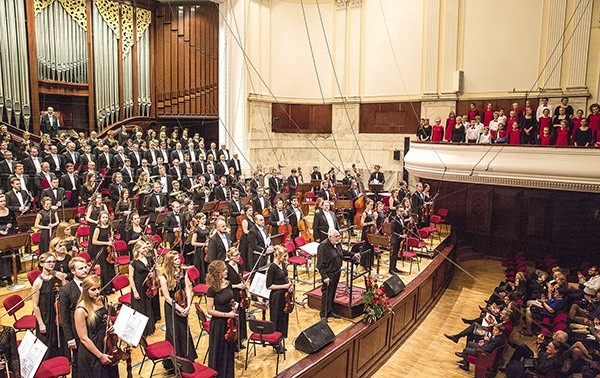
(427, 353)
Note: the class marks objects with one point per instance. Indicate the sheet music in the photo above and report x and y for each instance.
(130, 325)
(259, 285)
(31, 353)
(310, 248)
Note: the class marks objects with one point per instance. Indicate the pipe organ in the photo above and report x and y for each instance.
(122, 59)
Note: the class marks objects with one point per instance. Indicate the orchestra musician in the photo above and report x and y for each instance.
(240, 185)
(323, 221)
(347, 180)
(244, 246)
(45, 220)
(69, 297)
(70, 183)
(95, 207)
(201, 193)
(418, 200)
(155, 203)
(55, 193)
(234, 274)
(293, 213)
(277, 217)
(259, 201)
(235, 210)
(325, 191)
(260, 242)
(222, 191)
(142, 272)
(377, 177)
(368, 223)
(275, 185)
(200, 242)
(9, 353)
(403, 191)
(91, 326)
(397, 225)
(176, 289)
(88, 187)
(102, 238)
(219, 243)
(221, 352)
(255, 183)
(394, 199)
(279, 284)
(406, 207)
(17, 199)
(329, 263)
(175, 223)
(353, 193)
(293, 181)
(44, 289)
(315, 174)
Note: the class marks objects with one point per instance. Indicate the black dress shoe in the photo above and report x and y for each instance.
(2, 283)
(334, 315)
(242, 346)
(451, 337)
(458, 354)
(463, 367)
(9, 281)
(467, 321)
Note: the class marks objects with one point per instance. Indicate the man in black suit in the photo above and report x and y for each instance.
(155, 204)
(145, 167)
(240, 185)
(175, 222)
(277, 217)
(323, 221)
(293, 213)
(7, 168)
(376, 176)
(260, 242)
(49, 124)
(315, 174)
(128, 174)
(176, 170)
(152, 154)
(398, 235)
(200, 165)
(213, 151)
(104, 160)
(224, 151)
(70, 182)
(259, 201)
(417, 200)
(118, 159)
(165, 179)
(275, 185)
(222, 168)
(219, 243)
(403, 191)
(32, 163)
(26, 181)
(43, 179)
(56, 193)
(235, 210)
(69, 297)
(353, 193)
(293, 181)
(329, 264)
(55, 161)
(177, 153)
(70, 155)
(325, 192)
(192, 151)
(347, 180)
(210, 177)
(235, 163)
(17, 199)
(165, 152)
(497, 340)
(186, 163)
(222, 191)
(135, 156)
(85, 158)
(115, 189)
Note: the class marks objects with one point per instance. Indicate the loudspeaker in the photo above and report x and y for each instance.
(314, 338)
(393, 286)
(397, 155)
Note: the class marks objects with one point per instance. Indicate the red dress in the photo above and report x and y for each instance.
(437, 133)
(450, 122)
(545, 122)
(576, 122)
(488, 116)
(473, 113)
(514, 136)
(594, 122)
(545, 140)
(510, 121)
(562, 137)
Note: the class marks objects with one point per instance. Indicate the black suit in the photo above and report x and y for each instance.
(12, 202)
(274, 218)
(325, 194)
(136, 159)
(153, 201)
(68, 158)
(66, 183)
(275, 186)
(55, 166)
(49, 125)
(291, 216)
(258, 245)
(41, 182)
(128, 177)
(417, 201)
(235, 209)
(60, 195)
(29, 166)
(104, 162)
(118, 161)
(170, 224)
(377, 176)
(199, 168)
(256, 205)
(329, 264)
(292, 184)
(221, 168)
(216, 249)
(175, 155)
(237, 167)
(316, 176)
(223, 152)
(69, 297)
(5, 172)
(114, 192)
(221, 193)
(321, 227)
(177, 173)
(396, 238)
(84, 160)
(151, 156)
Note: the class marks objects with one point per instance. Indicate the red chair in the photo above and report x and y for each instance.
(23, 323)
(295, 260)
(386, 202)
(85, 256)
(119, 283)
(443, 213)
(156, 239)
(412, 243)
(35, 240)
(54, 368)
(121, 246)
(264, 333)
(83, 234)
(410, 254)
(199, 289)
(435, 220)
(202, 319)
(155, 352)
(200, 371)
(486, 364)
(32, 275)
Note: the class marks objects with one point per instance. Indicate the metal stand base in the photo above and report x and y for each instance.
(15, 287)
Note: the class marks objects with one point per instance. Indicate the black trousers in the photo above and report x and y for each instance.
(328, 293)
(394, 254)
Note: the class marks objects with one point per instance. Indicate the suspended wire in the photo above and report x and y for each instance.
(337, 81)
(312, 53)
(275, 98)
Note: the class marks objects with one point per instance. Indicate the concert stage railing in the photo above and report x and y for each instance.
(363, 348)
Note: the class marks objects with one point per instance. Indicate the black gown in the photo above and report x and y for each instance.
(131, 234)
(5, 261)
(199, 263)
(63, 265)
(183, 341)
(107, 271)
(221, 353)
(245, 246)
(88, 365)
(46, 304)
(144, 304)
(95, 215)
(278, 276)
(366, 259)
(44, 245)
(234, 277)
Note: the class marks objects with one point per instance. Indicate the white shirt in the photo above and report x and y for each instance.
(19, 197)
(265, 236)
(224, 240)
(36, 163)
(163, 181)
(329, 218)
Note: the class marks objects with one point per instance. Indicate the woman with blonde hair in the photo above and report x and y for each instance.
(142, 269)
(64, 232)
(221, 352)
(91, 328)
(57, 246)
(173, 283)
(279, 284)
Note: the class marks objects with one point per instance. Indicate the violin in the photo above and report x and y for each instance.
(289, 300)
(180, 297)
(238, 220)
(286, 230)
(111, 254)
(178, 238)
(244, 298)
(58, 317)
(205, 249)
(304, 230)
(360, 203)
(111, 342)
(232, 325)
(152, 283)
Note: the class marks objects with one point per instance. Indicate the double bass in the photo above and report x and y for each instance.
(360, 203)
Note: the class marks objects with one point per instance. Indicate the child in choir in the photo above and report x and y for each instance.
(562, 135)
(450, 122)
(501, 135)
(473, 112)
(594, 118)
(545, 121)
(494, 124)
(576, 122)
(488, 114)
(438, 131)
(514, 137)
(546, 137)
(485, 137)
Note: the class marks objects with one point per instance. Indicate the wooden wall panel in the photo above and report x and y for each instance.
(479, 210)
(390, 118)
(301, 118)
(372, 346)
(187, 60)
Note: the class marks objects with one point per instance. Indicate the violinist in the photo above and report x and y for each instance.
(200, 243)
(65, 232)
(277, 217)
(353, 193)
(294, 214)
(142, 274)
(323, 221)
(102, 241)
(69, 297)
(91, 326)
(48, 328)
(279, 284)
(221, 352)
(406, 207)
(259, 201)
(418, 199)
(398, 237)
(175, 225)
(394, 199)
(380, 217)
(176, 289)
(368, 223)
(403, 191)
(45, 220)
(95, 207)
(234, 273)
(235, 210)
(275, 185)
(325, 191)
(57, 247)
(134, 231)
(247, 224)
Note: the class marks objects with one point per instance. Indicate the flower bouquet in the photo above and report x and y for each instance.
(376, 301)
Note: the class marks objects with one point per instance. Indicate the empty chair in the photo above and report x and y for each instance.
(263, 333)
(119, 283)
(11, 305)
(155, 352)
(54, 368)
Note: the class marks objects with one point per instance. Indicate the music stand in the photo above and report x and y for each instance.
(304, 187)
(26, 221)
(277, 239)
(341, 190)
(14, 242)
(383, 243)
(281, 196)
(375, 188)
(160, 220)
(343, 204)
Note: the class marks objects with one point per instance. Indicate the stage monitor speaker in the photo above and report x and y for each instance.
(393, 286)
(314, 338)
(397, 155)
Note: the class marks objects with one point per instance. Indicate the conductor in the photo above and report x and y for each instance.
(329, 264)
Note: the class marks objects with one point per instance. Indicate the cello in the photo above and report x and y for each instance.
(360, 203)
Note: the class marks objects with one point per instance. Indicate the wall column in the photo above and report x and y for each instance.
(554, 45)
(579, 46)
(431, 36)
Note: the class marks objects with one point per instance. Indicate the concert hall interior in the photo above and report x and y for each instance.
(299, 188)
